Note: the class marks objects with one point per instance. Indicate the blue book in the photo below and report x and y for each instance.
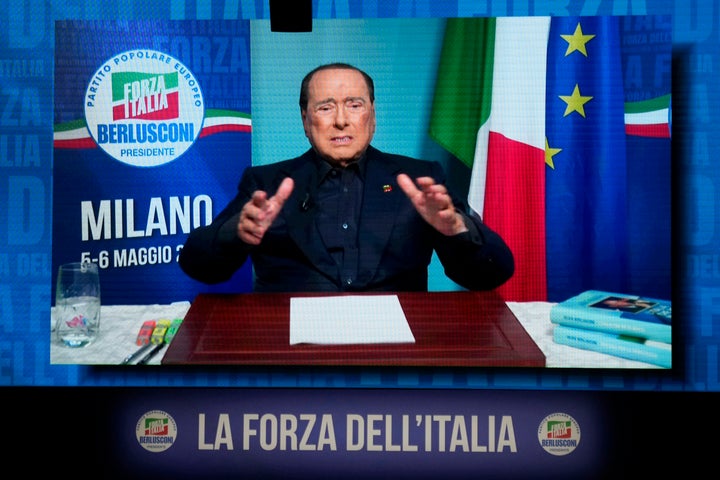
(616, 313)
(631, 348)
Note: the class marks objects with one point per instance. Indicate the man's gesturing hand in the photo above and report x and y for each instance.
(260, 211)
(433, 203)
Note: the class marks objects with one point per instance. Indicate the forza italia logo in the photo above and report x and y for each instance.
(156, 431)
(559, 434)
(144, 108)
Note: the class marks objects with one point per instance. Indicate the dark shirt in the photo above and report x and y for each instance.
(339, 203)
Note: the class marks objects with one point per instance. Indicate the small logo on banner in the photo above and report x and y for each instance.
(144, 108)
(559, 434)
(156, 431)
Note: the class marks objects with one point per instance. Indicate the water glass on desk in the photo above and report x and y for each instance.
(77, 304)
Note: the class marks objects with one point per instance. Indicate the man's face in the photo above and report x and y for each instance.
(340, 119)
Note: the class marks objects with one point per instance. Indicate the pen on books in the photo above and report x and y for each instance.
(151, 354)
(136, 354)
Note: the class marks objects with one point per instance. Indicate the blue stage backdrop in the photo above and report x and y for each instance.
(90, 92)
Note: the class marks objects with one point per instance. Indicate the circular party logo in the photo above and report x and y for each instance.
(156, 431)
(559, 434)
(144, 108)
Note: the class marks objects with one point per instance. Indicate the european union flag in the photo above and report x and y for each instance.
(607, 194)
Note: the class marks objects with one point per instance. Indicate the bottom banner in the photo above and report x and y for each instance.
(352, 434)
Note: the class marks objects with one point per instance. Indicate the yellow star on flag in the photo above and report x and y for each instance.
(577, 41)
(550, 153)
(575, 102)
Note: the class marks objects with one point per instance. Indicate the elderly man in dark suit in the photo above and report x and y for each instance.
(344, 216)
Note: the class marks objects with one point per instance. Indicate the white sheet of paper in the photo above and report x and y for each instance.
(348, 319)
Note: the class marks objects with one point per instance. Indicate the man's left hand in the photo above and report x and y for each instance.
(433, 203)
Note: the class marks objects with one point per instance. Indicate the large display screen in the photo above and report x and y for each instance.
(581, 133)
(563, 149)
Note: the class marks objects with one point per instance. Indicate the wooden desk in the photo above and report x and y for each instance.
(468, 329)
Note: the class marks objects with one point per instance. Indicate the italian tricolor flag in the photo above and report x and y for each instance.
(489, 111)
(648, 118)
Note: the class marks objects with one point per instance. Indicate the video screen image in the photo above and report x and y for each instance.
(555, 132)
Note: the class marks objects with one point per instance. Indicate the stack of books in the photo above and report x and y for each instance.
(627, 326)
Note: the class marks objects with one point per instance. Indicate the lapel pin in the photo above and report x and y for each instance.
(387, 188)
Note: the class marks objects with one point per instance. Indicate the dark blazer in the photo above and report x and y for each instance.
(395, 243)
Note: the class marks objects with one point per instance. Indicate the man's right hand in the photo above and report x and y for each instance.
(260, 212)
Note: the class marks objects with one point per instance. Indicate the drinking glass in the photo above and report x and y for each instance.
(77, 304)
